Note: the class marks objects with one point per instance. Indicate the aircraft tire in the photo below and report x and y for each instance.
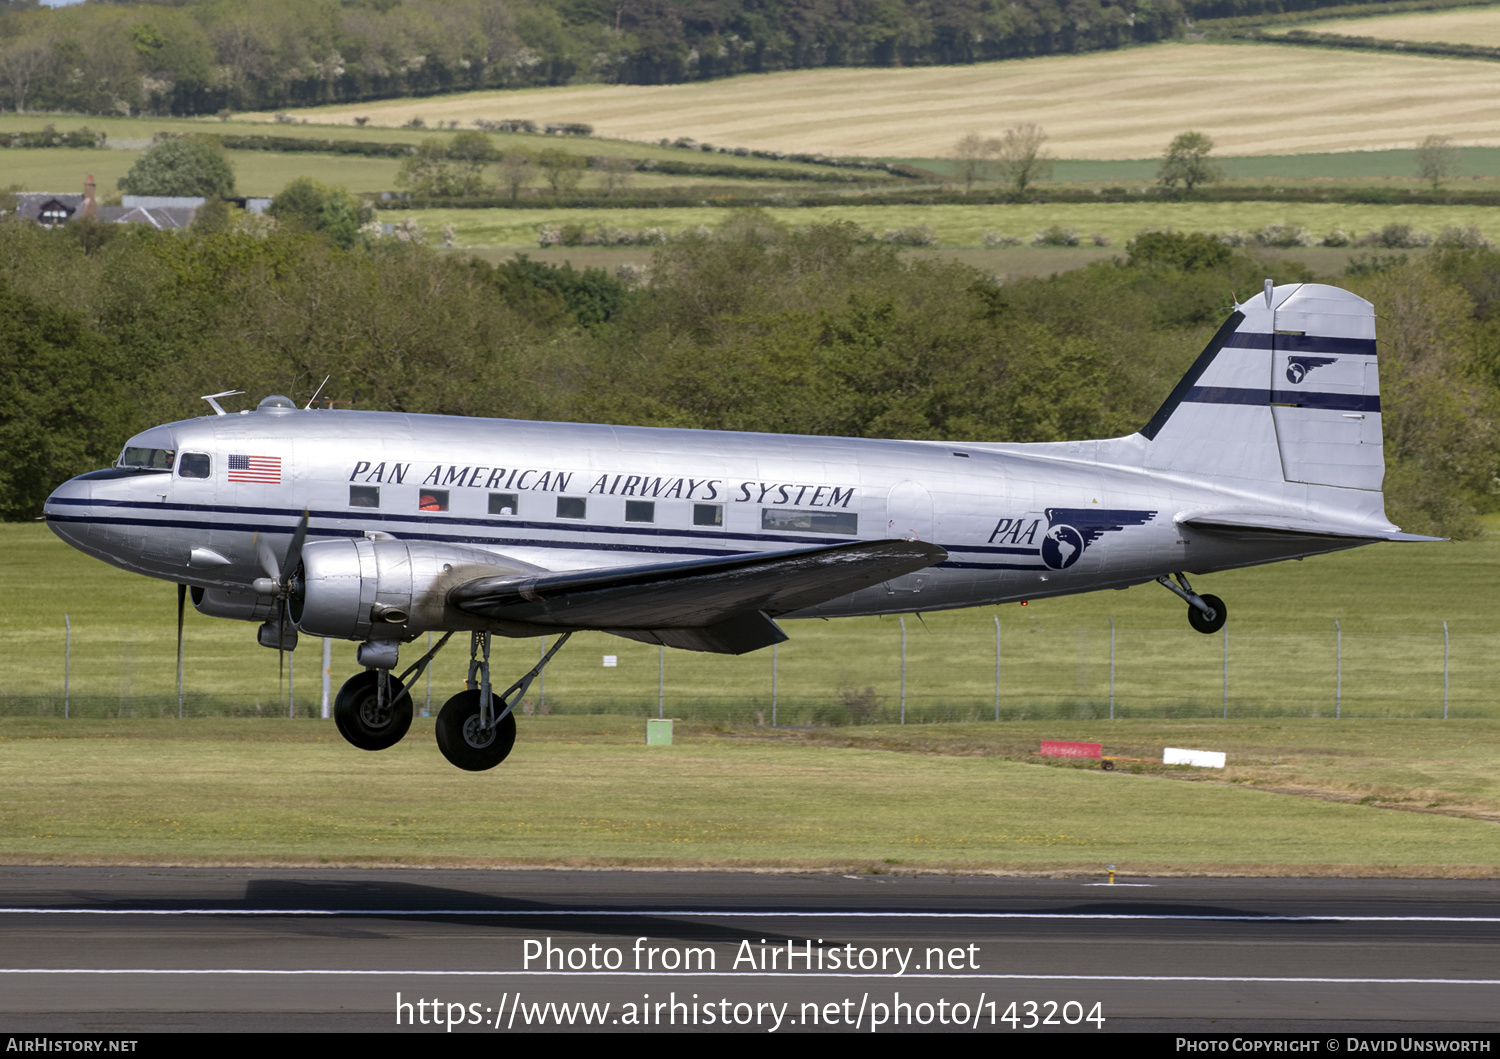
(460, 740)
(360, 719)
(1206, 625)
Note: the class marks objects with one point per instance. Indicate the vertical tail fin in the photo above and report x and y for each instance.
(1287, 391)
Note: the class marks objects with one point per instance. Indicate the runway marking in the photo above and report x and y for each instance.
(366, 972)
(732, 914)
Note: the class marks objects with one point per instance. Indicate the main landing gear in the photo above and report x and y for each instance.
(475, 728)
(471, 732)
(1205, 613)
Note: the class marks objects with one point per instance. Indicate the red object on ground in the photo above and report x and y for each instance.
(1053, 748)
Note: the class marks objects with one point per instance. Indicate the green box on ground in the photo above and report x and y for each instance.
(659, 733)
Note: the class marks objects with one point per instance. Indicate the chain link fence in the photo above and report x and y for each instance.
(944, 668)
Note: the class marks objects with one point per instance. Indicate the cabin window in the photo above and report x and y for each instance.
(503, 504)
(148, 459)
(640, 511)
(572, 507)
(433, 500)
(194, 465)
(364, 496)
(708, 514)
(776, 518)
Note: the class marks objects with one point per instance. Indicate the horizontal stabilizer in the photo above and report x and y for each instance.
(1294, 525)
(727, 599)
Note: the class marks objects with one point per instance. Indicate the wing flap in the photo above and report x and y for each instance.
(695, 594)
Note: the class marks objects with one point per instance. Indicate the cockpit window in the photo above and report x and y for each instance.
(193, 465)
(147, 459)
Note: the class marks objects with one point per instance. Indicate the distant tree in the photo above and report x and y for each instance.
(1187, 163)
(516, 168)
(311, 206)
(180, 166)
(1437, 160)
(428, 172)
(561, 169)
(973, 156)
(469, 153)
(616, 172)
(1020, 158)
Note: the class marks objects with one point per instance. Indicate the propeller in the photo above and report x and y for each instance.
(282, 587)
(181, 604)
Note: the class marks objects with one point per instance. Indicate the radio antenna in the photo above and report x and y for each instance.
(316, 392)
(212, 399)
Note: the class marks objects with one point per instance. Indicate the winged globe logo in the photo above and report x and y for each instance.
(1070, 530)
(1298, 368)
(1062, 547)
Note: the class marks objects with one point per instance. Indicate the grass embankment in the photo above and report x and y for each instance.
(584, 791)
(1252, 99)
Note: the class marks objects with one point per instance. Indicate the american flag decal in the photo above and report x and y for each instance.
(264, 469)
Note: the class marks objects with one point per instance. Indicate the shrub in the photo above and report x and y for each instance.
(995, 239)
(1057, 235)
(1469, 238)
(1188, 252)
(1337, 237)
(180, 166)
(1283, 235)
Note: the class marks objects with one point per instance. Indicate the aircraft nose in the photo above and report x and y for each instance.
(67, 502)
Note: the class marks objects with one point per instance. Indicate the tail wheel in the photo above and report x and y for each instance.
(1202, 622)
(363, 719)
(464, 743)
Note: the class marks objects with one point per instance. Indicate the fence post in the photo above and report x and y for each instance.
(1226, 672)
(181, 598)
(902, 620)
(541, 693)
(1111, 669)
(997, 667)
(67, 661)
(661, 681)
(773, 684)
(327, 673)
(1338, 670)
(1445, 670)
(291, 685)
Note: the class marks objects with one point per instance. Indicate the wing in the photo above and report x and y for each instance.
(720, 604)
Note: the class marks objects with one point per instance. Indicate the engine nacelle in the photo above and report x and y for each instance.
(388, 589)
(226, 603)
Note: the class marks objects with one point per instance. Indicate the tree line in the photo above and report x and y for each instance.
(751, 327)
(201, 56)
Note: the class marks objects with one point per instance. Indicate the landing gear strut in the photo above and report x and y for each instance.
(373, 708)
(471, 732)
(1205, 613)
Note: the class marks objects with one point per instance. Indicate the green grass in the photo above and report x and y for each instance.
(965, 225)
(582, 791)
(1390, 601)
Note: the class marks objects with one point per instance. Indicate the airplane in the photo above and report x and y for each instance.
(377, 527)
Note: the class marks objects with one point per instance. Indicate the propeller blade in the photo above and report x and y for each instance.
(267, 558)
(181, 606)
(294, 553)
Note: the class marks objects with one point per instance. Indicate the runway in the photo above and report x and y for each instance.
(141, 950)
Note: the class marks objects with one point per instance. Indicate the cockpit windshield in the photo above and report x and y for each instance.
(147, 459)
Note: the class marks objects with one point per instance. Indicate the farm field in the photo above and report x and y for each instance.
(1469, 25)
(586, 791)
(965, 225)
(1241, 95)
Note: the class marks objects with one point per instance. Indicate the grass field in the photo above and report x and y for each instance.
(586, 791)
(1285, 657)
(966, 225)
(1469, 25)
(1252, 99)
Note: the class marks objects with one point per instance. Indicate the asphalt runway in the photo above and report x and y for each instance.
(138, 950)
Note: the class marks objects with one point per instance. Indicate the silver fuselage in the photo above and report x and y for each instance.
(1017, 521)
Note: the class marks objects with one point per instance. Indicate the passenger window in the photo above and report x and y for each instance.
(708, 514)
(809, 521)
(193, 465)
(572, 507)
(433, 500)
(364, 496)
(503, 504)
(640, 511)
